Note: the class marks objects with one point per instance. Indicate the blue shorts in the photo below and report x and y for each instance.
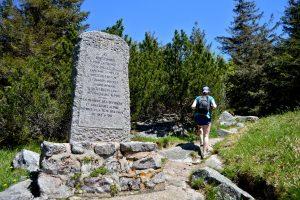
(202, 120)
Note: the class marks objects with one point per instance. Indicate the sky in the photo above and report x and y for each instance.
(162, 17)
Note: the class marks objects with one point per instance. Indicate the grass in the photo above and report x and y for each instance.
(268, 150)
(209, 190)
(162, 142)
(99, 171)
(198, 184)
(8, 175)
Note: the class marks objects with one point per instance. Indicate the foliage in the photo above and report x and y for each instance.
(268, 150)
(282, 76)
(266, 72)
(116, 29)
(250, 46)
(166, 79)
(8, 175)
(36, 47)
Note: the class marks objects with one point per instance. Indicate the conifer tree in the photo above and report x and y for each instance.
(282, 80)
(251, 49)
(116, 29)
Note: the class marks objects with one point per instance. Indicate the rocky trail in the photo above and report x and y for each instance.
(178, 167)
(180, 164)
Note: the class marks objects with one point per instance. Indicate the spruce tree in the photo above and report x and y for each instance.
(250, 47)
(116, 29)
(291, 26)
(282, 80)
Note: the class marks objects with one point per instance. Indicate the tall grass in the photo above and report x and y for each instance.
(8, 175)
(269, 150)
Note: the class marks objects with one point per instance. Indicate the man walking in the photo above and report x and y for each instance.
(203, 105)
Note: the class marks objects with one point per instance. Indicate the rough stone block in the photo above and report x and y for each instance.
(105, 149)
(214, 162)
(135, 147)
(224, 184)
(26, 159)
(146, 163)
(77, 148)
(129, 183)
(60, 164)
(50, 148)
(19, 191)
(53, 187)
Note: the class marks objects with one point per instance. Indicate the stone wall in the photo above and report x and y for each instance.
(100, 169)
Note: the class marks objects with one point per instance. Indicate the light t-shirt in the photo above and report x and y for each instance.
(212, 104)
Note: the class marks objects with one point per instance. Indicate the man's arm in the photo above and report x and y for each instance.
(213, 103)
(194, 104)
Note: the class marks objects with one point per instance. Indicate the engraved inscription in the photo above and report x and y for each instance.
(102, 99)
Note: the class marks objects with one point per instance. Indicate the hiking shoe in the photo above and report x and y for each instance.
(200, 153)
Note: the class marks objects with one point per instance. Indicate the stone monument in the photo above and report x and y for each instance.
(101, 102)
(100, 160)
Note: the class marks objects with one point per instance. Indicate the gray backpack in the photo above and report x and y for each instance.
(203, 105)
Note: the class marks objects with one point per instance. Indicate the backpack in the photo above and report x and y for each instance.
(203, 105)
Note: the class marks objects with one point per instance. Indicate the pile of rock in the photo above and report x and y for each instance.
(166, 125)
(234, 123)
(100, 169)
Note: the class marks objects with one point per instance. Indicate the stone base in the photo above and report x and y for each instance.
(99, 169)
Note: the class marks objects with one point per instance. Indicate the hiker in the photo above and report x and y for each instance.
(203, 106)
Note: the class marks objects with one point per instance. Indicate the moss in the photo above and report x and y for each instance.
(76, 176)
(193, 155)
(163, 161)
(87, 160)
(114, 190)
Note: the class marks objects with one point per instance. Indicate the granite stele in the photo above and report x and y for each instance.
(101, 102)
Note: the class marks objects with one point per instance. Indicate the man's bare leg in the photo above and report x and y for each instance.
(200, 133)
(206, 130)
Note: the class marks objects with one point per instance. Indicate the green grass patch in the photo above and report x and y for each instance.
(268, 150)
(99, 171)
(213, 131)
(198, 184)
(8, 175)
(162, 142)
(209, 189)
